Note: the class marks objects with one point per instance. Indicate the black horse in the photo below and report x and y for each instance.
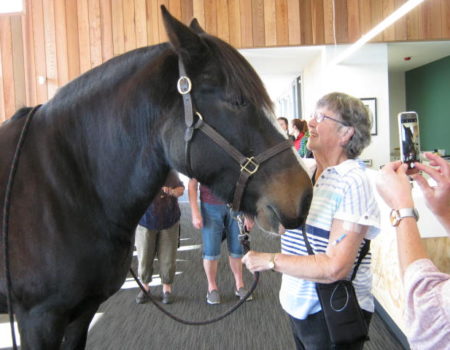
(96, 154)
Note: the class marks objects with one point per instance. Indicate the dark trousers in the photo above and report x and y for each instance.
(312, 333)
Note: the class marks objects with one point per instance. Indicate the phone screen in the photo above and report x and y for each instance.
(409, 138)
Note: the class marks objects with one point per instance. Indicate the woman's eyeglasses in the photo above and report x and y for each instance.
(319, 117)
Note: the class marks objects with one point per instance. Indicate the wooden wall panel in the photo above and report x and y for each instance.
(223, 26)
(19, 62)
(328, 22)
(3, 114)
(388, 6)
(50, 47)
(282, 27)
(84, 35)
(106, 29)
(234, 22)
(258, 23)
(400, 27)
(365, 17)
(341, 20)
(317, 23)
(39, 51)
(305, 22)
(210, 24)
(432, 20)
(58, 40)
(118, 27)
(95, 33)
(353, 20)
(376, 17)
(270, 23)
(129, 25)
(246, 23)
(294, 22)
(61, 43)
(7, 66)
(445, 16)
(73, 46)
(187, 11)
(152, 22)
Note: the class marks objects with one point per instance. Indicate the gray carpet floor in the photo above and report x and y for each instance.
(258, 324)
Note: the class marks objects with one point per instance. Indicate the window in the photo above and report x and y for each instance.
(11, 6)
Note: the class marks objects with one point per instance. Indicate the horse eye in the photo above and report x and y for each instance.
(238, 101)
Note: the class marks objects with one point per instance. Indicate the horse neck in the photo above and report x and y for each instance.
(117, 150)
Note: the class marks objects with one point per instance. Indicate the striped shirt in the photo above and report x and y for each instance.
(342, 192)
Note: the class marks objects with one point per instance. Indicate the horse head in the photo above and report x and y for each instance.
(231, 98)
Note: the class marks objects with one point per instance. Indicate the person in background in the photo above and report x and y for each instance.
(157, 235)
(303, 151)
(214, 219)
(284, 125)
(427, 290)
(343, 213)
(299, 127)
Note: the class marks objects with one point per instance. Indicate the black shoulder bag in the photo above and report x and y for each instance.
(343, 315)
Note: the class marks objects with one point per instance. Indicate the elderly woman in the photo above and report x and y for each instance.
(343, 213)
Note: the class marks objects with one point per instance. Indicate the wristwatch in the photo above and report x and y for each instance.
(272, 261)
(398, 214)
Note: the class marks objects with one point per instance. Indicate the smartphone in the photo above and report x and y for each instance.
(408, 126)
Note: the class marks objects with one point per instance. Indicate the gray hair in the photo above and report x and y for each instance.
(353, 113)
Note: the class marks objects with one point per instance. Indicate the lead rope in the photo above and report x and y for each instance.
(244, 237)
(5, 222)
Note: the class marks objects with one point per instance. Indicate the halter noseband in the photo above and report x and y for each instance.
(248, 165)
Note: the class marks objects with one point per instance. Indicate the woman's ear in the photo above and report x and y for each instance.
(346, 133)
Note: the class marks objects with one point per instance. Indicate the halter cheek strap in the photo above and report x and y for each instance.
(248, 165)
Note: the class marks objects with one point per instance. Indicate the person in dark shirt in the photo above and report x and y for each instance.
(157, 235)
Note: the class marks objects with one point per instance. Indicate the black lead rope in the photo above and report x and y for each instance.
(245, 241)
(5, 222)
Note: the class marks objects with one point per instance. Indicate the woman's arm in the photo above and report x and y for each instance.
(394, 187)
(328, 267)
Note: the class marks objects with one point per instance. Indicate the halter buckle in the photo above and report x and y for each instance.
(250, 166)
(184, 85)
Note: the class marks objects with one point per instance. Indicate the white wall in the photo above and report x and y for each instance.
(397, 104)
(365, 74)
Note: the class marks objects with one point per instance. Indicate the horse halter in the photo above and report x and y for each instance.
(248, 165)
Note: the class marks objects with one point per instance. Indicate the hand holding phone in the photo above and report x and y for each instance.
(408, 125)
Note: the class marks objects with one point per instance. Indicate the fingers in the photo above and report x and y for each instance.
(437, 161)
(392, 166)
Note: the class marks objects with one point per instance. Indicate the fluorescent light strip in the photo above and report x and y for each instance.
(392, 18)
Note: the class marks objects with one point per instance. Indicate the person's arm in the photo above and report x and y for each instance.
(328, 267)
(437, 197)
(197, 220)
(394, 187)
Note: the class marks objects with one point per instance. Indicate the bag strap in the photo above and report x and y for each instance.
(362, 253)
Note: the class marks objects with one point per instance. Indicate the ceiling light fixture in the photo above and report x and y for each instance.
(392, 18)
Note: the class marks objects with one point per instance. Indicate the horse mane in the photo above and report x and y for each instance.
(241, 80)
(107, 76)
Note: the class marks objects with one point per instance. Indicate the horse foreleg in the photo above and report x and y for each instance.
(76, 332)
(40, 329)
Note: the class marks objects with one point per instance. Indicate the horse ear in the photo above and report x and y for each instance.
(195, 26)
(184, 40)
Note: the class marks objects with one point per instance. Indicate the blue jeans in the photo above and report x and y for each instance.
(217, 219)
